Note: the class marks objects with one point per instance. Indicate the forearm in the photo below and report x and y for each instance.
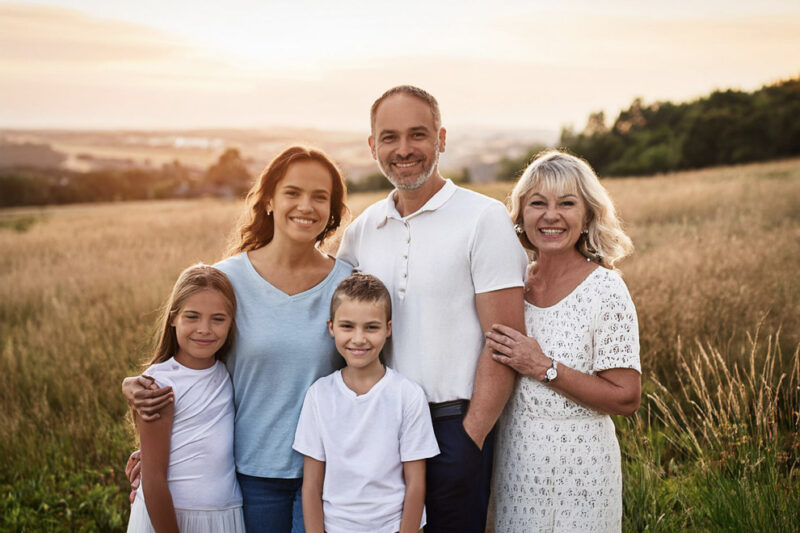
(312, 510)
(493, 385)
(618, 397)
(158, 501)
(493, 381)
(313, 480)
(414, 500)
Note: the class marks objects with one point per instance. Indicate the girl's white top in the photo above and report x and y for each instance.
(202, 474)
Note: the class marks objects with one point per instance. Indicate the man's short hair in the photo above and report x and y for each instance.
(362, 288)
(410, 90)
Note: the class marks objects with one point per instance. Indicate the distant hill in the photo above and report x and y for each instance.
(474, 148)
(28, 154)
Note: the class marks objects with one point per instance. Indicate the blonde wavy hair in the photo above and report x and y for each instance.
(605, 243)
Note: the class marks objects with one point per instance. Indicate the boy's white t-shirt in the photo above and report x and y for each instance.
(363, 441)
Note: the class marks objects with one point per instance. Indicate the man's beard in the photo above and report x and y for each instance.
(424, 176)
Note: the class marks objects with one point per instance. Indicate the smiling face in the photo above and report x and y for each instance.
(301, 205)
(360, 330)
(553, 221)
(201, 327)
(405, 141)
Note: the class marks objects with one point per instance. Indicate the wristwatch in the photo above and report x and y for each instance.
(552, 373)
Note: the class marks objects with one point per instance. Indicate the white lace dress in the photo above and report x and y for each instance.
(557, 464)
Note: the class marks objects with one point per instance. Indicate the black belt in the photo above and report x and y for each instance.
(448, 409)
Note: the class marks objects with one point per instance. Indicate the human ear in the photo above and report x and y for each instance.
(388, 329)
(442, 139)
(371, 142)
(330, 327)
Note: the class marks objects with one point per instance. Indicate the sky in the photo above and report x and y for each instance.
(518, 65)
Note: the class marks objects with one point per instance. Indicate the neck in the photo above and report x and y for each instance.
(281, 251)
(555, 264)
(361, 380)
(194, 363)
(410, 201)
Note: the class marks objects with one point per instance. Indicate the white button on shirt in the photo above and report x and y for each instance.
(434, 261)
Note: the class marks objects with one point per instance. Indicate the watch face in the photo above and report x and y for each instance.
(551, 374)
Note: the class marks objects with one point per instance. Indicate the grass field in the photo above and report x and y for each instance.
(714, 446)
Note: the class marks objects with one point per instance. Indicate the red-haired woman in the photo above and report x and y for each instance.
(283, 285)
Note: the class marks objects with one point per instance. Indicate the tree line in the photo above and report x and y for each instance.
(725, 127)
(227, 177)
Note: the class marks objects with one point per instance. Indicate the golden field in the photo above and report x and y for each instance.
(715, 278)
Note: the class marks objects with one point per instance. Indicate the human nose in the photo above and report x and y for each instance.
(404, 147)
(204, 326)
(551, 212)
(358, 336)
(304, 203)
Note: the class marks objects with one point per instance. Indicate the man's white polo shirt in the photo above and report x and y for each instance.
(434, 261)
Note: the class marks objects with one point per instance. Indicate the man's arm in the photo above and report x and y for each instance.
(493, 381)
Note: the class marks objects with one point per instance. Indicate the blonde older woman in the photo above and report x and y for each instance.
(557, 467)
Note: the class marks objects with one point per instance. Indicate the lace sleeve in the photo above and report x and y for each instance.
(616, 327)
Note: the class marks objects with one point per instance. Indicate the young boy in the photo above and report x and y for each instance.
(365, 430)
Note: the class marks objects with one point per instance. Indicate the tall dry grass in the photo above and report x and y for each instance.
(717, 257)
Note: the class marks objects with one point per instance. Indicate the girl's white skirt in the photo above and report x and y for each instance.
(189, 521)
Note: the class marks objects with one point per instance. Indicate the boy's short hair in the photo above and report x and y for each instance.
(362, 288)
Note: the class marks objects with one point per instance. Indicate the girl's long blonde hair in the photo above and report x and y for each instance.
(194, 279)
(605, 243)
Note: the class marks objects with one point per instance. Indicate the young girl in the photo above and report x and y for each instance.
(188, 474)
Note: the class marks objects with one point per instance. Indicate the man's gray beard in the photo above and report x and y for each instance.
(421, 180)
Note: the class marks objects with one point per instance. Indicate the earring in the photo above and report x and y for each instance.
(585, 232)
(519, 229)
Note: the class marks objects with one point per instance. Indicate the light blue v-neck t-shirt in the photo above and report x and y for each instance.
(282, 346)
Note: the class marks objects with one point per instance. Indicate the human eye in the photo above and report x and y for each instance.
(345, 326)
(220, 319)
(387, 138)
(536, 202)
(191, 315)
(419, 135)
(568, 203)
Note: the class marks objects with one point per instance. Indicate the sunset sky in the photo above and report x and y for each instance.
(246, 63)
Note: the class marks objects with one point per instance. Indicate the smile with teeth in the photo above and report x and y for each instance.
(405, 165)
(303, 221)
(552, 231)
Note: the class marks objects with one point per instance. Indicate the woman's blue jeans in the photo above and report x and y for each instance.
(272, 505)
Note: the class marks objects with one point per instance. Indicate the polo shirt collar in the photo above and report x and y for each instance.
(434, 202)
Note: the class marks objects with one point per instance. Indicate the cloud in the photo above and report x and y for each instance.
(55, 35)
(66, 68)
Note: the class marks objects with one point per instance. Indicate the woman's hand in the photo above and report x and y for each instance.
(133, 471)
(144, 396)
(520, 352)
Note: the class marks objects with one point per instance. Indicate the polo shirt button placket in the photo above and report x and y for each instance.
(404, 273)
